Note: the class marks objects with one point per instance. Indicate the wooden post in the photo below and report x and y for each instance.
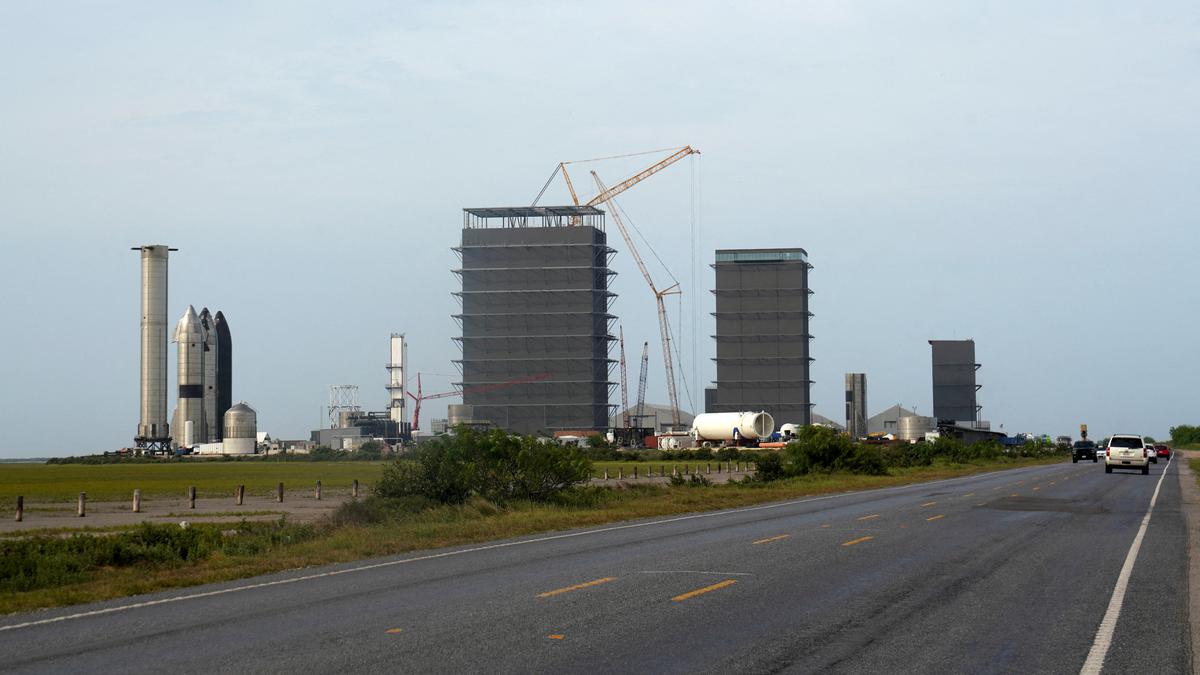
(239, 495)
(606, 473)
(354, 488)
(279, 493)
(20, 508)
(137, 501)
(192, 497)
(635, 470)
(708, 468)
(318, 490)
(620, 473)
(674, 469)
(81, 507)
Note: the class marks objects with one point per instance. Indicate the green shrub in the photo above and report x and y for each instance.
(496, 465)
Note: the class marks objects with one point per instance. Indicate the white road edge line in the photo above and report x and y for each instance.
(1094, 662)
(476, 549)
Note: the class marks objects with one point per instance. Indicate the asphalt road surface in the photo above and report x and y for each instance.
(1010, 572)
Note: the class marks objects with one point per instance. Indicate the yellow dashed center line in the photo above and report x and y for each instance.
(706, 589)
(1036, 487)
(576, 587)
(969, 494)
(857, 541)
(928, 503)
(937, 517)
(870, 517)
(1015, 494)
(555, 636)
(394, 631)
(771, 539)
(981, 504)
(825, 525)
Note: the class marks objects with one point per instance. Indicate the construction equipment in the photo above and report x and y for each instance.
(624, 385)
(663, 329)
(606, 194)
(641, 399)
(418, 397)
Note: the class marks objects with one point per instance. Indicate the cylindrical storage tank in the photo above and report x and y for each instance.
(241, 430)
(732, 426)
(914, 427)
(789, 430)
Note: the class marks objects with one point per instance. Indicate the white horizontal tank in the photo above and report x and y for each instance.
(732, 426)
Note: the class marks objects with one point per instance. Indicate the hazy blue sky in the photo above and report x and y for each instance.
(1022, 173)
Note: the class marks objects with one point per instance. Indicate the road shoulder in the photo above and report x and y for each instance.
(1189, 499)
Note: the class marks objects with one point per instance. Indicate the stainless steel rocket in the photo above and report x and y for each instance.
(189, 336)
(152, 425)
(224, 371)
(212, 423)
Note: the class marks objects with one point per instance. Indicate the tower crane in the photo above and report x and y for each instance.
(641, 399)
(663, 329)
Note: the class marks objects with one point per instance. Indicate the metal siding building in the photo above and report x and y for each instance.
(762, 333)
(856, 405)
(954, 385)
(535, 320)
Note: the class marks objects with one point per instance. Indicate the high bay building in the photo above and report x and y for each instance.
(762, 334)
(536, 327)
(954, 384)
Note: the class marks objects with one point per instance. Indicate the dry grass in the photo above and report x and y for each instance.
(474, 522)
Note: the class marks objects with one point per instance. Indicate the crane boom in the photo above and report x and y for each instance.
(663, 329)
(641, 399)
(636, 178)
(624, 385)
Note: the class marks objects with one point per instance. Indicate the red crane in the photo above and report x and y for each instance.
(418, 397)
(624, 385)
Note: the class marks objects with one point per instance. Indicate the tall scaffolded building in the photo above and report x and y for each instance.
(762, 333)
(536, 329)
(954, 381)
(856, 405)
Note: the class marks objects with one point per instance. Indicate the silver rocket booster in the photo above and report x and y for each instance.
(152, 424)
(189, 336)
(212, 423)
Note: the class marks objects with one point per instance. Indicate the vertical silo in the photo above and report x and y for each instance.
(856, 405)
(153, 432)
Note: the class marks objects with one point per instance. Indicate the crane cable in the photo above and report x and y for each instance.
(596, 159)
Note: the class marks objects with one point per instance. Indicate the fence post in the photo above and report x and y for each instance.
(606, 473)
(239, 494)
(20, 508)
(279, 493)
(674, 469)
(635, 470)
(620, 473)
(81, 507)
(192, 497)
(318, 490)
(708, 468)
(354, 488)
(137, 501)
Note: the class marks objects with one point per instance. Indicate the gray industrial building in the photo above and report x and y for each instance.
(888, 421)
(856, 405)
(535, 319)
(762, 333)
(954, 384)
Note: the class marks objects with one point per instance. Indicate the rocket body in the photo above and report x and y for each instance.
(212, 422)
(189, 338)
(224, 371)
(152, 424)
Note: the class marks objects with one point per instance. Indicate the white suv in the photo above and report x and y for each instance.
(1126, 451)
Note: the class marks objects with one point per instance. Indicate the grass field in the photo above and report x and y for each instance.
(40, 483)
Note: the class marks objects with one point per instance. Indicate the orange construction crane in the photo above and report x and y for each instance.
(663, 328)
(605, 194)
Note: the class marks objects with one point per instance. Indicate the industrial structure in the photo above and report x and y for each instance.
(762, 334)
(856, 405)
(205, 378)
(954, 384)
(397, 368)
(153, 432)
(535, 318)
(350, 426)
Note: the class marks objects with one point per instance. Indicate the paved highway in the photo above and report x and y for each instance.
(1006, 572)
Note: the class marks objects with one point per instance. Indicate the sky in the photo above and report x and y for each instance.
(1020, 173)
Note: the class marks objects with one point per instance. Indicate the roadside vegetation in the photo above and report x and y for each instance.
(467, 488)
(1185, 437)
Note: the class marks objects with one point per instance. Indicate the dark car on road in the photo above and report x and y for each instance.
(1083, 450)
